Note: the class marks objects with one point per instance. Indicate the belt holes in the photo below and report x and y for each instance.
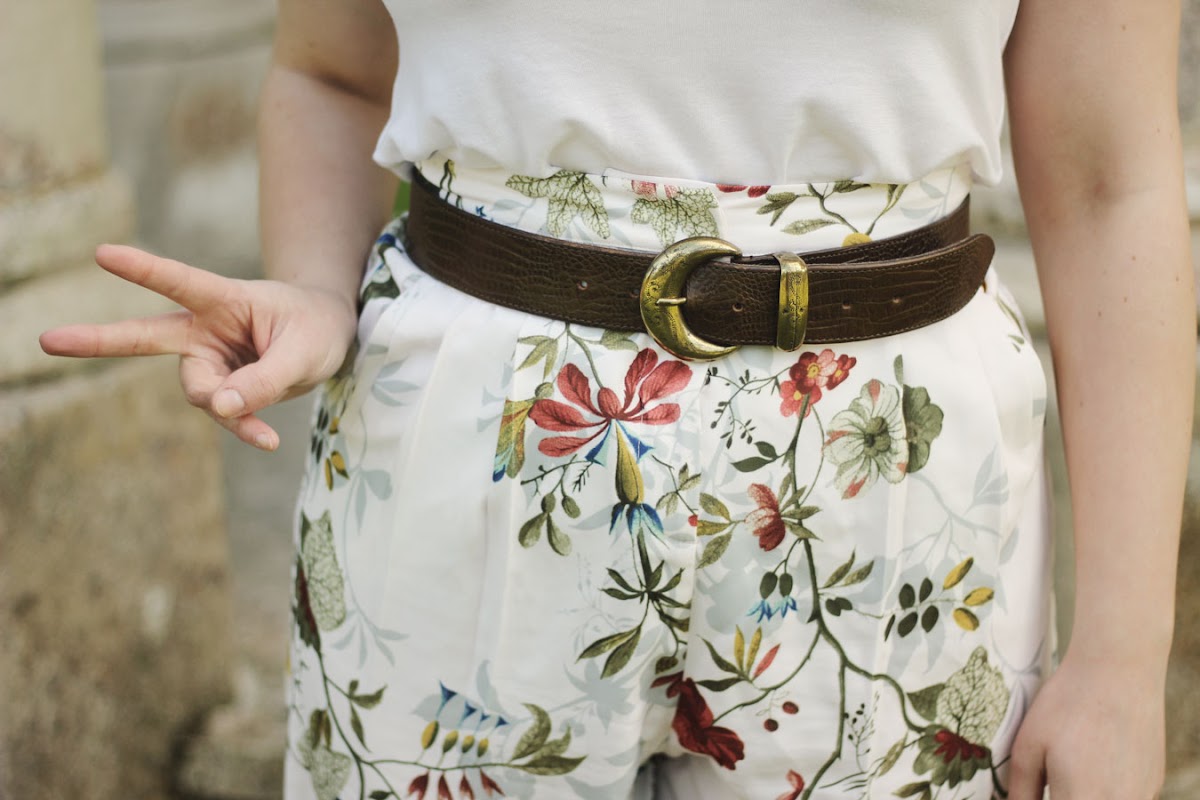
(845, 306)
(738, 308)
(634, 294)
(896, 301)
(581, 286)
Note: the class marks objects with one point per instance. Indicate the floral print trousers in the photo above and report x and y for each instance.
(538, 560)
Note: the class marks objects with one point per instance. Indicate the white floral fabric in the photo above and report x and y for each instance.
(538, 560)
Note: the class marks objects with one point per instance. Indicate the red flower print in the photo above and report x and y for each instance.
(693, 724)
(489, 785)
(751, 191)
(646, 382)
(464, 789)
(418, 786)
(645, 188)
(765, 520)
(797, 782)
(649, 189)
(444, 789)
(671, 681)
(952, 746)
(809, 376)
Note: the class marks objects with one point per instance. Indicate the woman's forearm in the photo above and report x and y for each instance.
(1120, 309)
(324, 101)
(1096, 142)
(322, 198)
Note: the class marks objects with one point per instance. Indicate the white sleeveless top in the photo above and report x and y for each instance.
(728, 91)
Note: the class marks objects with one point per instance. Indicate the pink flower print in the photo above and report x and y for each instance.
(797, 782)
(811, 374)
(647, 383)
(766, 522)
(751, 191)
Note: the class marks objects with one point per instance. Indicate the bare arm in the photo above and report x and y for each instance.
(325, 99)
(1092, 93)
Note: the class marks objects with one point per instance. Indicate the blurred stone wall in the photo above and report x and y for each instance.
(113, 599)
(182, 80)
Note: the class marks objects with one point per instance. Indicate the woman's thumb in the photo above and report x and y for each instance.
(258, 385)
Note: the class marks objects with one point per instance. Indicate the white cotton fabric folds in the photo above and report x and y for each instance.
(764, 92)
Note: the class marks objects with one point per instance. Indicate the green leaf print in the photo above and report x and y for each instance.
(803, 226)
(550, 765)
(366, 700)
(840, 572)
(714, 506)
(843, 187)
(914, 789)
(556, 747)
(531, 531)
(545, 349)
(616, 340)
(534, 738)
(619, 657)
(713, 551)
(559, 542)
(923, 423)
(686, 210)
(571, 194)
(776, 204)
(326, 589)
(329, 770)
(603, 645)
(925, 701)
(974, 700)
(892, 757)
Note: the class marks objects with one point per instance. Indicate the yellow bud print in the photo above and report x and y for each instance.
(630, 488)
(481, 750)
(855, 238)
(429, 735)
(449, 742)
(467, 742)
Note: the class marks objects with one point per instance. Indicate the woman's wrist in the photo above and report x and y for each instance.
(1139, 650)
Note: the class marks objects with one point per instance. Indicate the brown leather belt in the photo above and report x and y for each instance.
(844, 294)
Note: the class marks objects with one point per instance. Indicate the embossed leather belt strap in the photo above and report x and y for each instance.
(861, 292)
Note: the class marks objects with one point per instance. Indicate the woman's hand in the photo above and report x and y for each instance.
(1094, 732)
(242, 345)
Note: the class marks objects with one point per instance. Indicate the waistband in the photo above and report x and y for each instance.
(647, 213)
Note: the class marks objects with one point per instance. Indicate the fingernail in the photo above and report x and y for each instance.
(264, 441)
(228, 402)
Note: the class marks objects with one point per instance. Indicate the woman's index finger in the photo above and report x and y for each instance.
(192, 288)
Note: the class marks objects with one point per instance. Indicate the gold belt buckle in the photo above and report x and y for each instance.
(663, 296)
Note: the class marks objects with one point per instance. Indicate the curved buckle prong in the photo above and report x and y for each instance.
(662, 295)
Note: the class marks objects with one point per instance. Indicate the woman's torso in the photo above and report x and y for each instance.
(761, 92)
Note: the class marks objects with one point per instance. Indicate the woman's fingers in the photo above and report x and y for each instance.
(258, 385)
(192, 288)
(148, 336)
(200, 380)
(251, 430)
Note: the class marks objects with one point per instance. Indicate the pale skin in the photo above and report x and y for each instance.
(1092, 95)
